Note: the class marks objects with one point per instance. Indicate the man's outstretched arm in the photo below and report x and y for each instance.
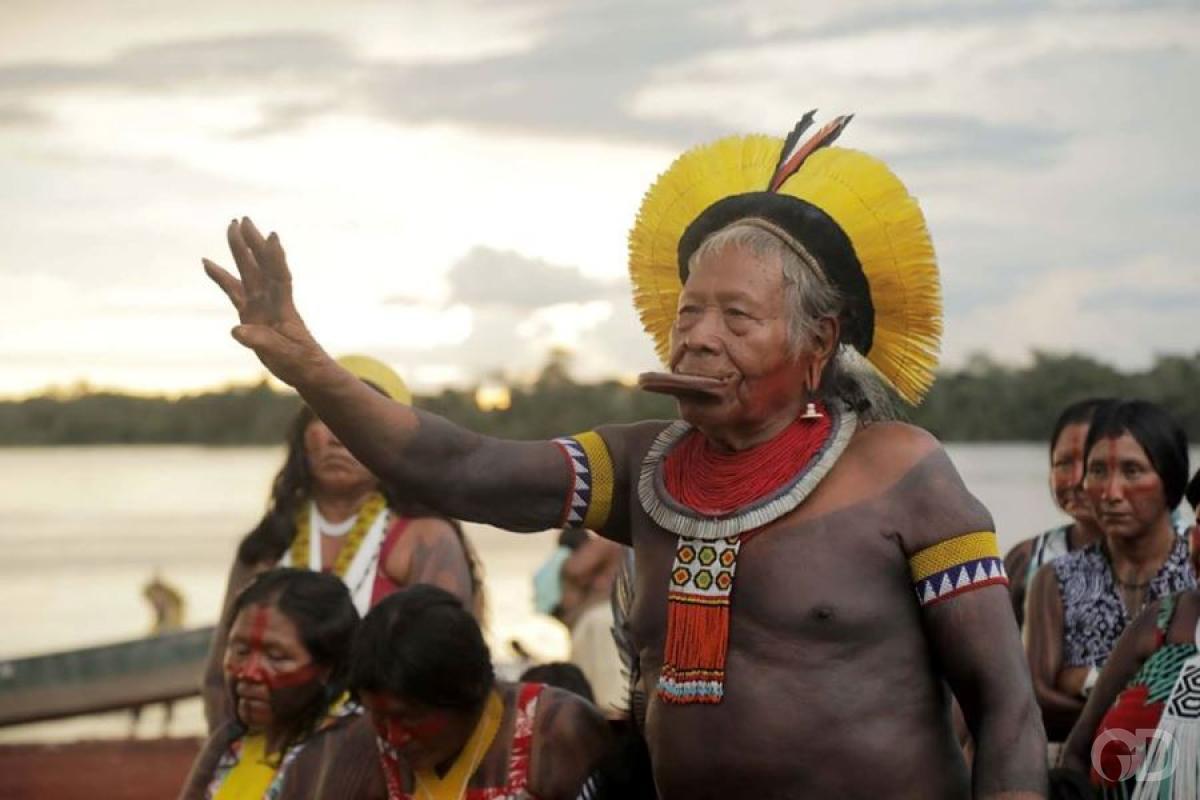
(515, 485)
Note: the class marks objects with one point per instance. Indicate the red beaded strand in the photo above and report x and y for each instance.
(716, 483)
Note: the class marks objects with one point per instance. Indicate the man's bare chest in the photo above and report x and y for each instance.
(838, 577)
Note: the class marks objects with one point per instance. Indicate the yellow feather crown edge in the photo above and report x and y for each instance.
(869, 203)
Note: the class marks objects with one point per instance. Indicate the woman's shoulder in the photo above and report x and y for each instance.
(339, 760)
(1019, 558)
(433, 525)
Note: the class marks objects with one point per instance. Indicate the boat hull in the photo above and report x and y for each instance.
(103, 678)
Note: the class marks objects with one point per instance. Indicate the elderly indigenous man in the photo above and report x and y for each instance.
(868, 581)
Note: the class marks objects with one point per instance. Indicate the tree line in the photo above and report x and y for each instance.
(983, 401)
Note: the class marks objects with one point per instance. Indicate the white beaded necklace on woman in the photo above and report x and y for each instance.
(334, 529)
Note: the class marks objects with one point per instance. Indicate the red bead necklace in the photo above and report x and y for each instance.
(717, 483)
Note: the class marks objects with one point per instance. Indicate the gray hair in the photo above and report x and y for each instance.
(808, 297)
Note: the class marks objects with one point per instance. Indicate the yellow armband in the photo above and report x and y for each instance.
(955, 566)
(589, 498)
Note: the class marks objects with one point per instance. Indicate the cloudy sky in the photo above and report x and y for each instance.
(454, 181)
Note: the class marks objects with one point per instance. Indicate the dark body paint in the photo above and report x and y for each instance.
(833, 688)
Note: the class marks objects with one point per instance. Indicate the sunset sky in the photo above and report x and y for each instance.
(454, 181)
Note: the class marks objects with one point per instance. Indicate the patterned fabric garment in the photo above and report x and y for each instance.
(1139, 707)
(1094, 613)
(1050, 545)
(1171, 769)
(518, 761)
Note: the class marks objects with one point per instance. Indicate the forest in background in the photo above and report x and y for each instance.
(983, 401)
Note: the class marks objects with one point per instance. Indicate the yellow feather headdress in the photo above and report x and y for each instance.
(379, 375)
(845, 207)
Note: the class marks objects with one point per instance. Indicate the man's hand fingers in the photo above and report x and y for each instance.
(244, 259)
(230, 285)
(274, 262)
(274, 349)
(269, 325)
(248, 336)
(261, 339)
(253, 239)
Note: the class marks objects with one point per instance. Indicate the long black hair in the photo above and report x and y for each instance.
(1158, 433)
(1080, 412)
(272, 536)
(319, 605)
(421, 644)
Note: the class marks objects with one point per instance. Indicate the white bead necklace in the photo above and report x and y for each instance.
(334, 529)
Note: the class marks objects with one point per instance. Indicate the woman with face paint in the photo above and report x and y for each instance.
(1066, 488)
(445, 729)
(286, 670)
(1139, 734)
(1136, 466)
(329, 513)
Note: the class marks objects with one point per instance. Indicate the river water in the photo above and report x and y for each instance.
(83, 528)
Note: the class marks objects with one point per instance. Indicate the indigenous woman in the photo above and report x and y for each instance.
(286, 667)
(445, 728)
(1066, 487)
(1136, 465)
(328, 513)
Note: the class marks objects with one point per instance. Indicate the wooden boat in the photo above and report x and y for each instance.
(104, 678)
(117, 769)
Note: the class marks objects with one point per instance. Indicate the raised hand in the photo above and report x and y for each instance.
(270, 324)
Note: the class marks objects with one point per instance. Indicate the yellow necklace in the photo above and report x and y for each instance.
(376, 504)
(252, 775)
(454, 785)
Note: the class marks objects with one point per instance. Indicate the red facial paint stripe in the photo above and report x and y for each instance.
(398, 734)
(254, 670)
(297, 677)
(430, 726)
